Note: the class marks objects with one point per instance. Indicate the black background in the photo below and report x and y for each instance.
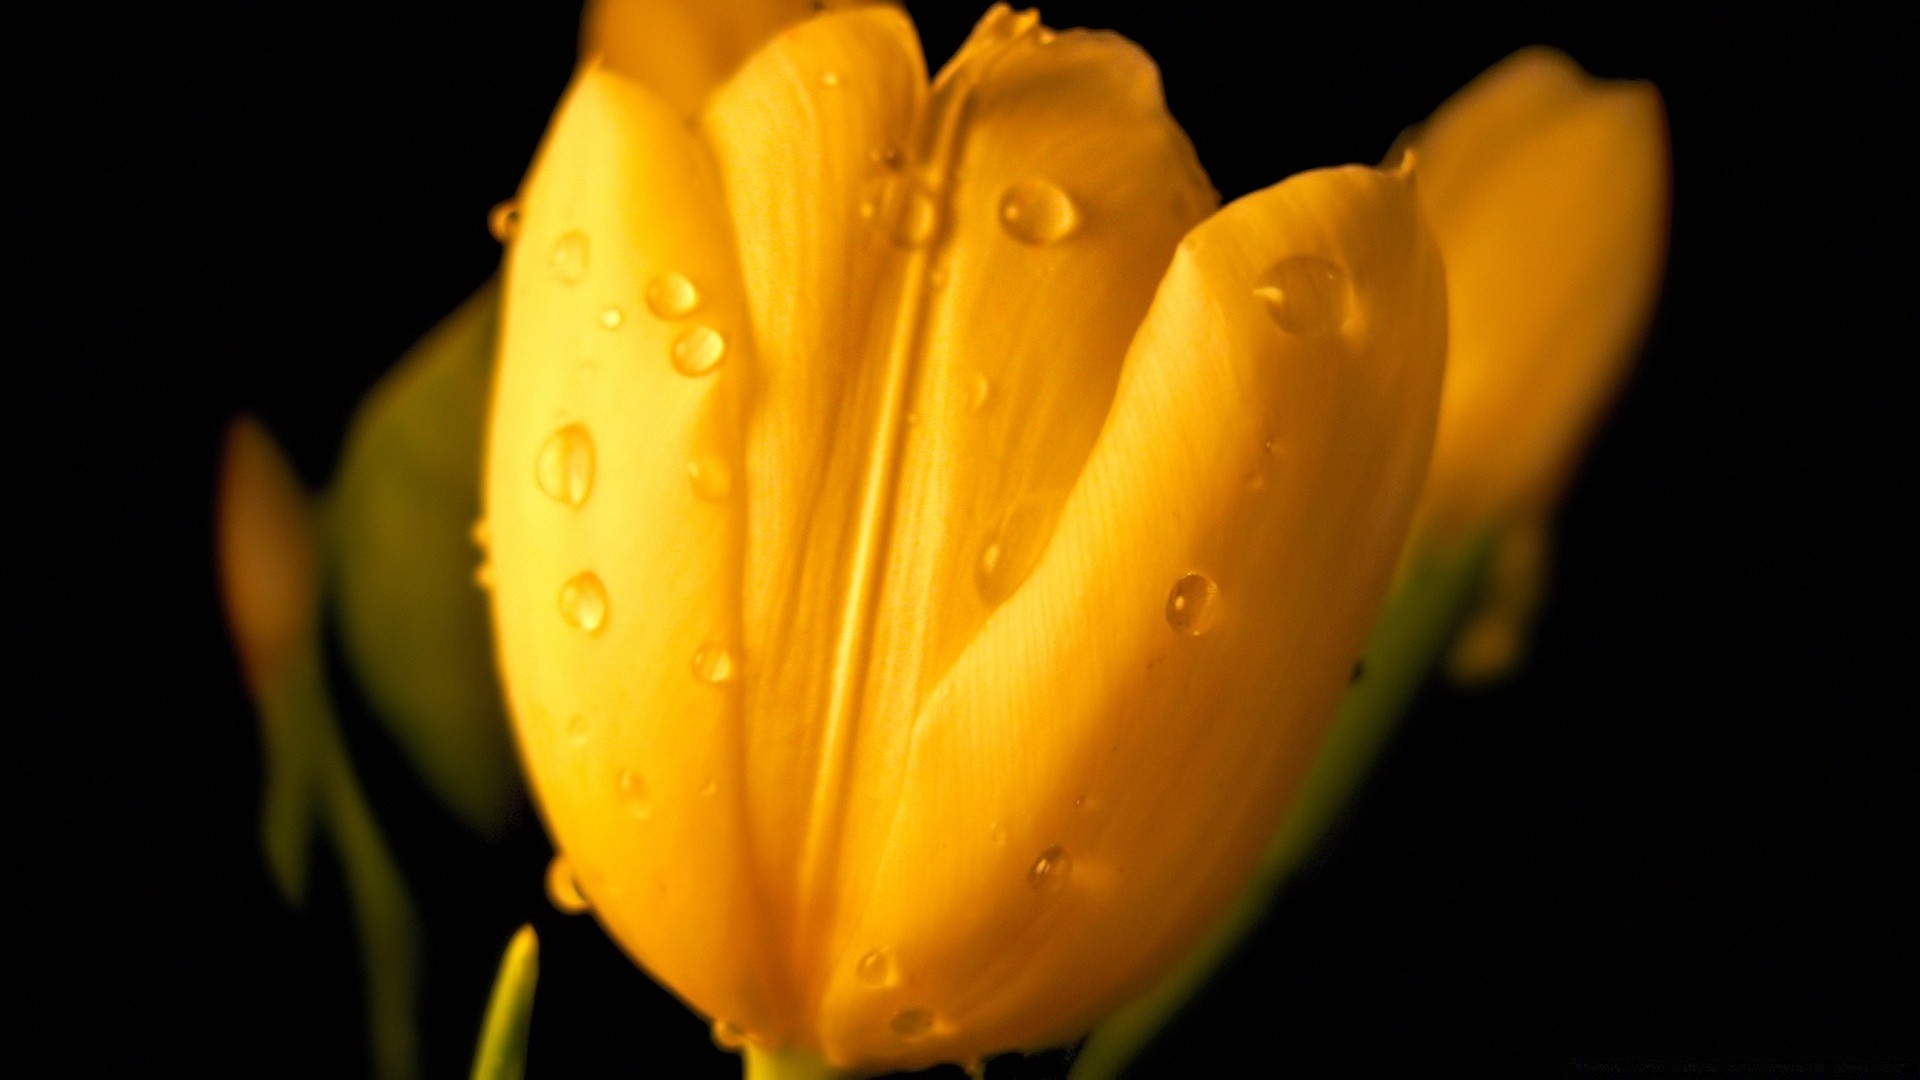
(1678, 834)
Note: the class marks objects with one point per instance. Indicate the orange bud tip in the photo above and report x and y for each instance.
(267, 561)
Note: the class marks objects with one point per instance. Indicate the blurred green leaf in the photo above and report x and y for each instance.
(400, 517)
(502, 1053)
(1420, 618)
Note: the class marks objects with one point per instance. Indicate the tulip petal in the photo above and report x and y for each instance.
(682, 49)
(797, 151)
(615, 413)
(1547, 191)
(880, 256)
(1168, 668)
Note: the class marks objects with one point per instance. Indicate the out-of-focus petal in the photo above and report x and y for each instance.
(1547, 191)
(1494, 639)
(682, 49)
(616, 410)
(269, 569)
(1092, 778)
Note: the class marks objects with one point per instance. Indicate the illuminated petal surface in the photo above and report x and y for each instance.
(911, 646)
(1547, 190)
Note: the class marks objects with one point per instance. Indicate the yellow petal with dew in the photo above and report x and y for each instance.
(1548, 193)
(615, 582)
(987, 250)
(1089, 783)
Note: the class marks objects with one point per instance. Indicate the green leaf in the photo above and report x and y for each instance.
(400, 517)
(1419, 620)
(502, 1053)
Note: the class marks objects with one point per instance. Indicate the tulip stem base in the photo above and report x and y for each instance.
(787, 1065)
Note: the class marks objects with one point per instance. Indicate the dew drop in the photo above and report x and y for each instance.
(699, 351)
(912, 1023)
(1037, 212)
(711, 477)
(728, 1035)
(829, 79)
(1014, 548)
(997, 834)
(562, 890)
(483, 576)
(583, 601)
(713, 663)
(979, 393)
(888, 157)
(671, 295)
(564, 467)
(611, 318)
(503, 221)
(1193, 605)
(918, 220)
(876, 968)
(569, 258)
(577, 730)
(480, 534)
(631, 788)
(710, 786)
(1305, 295)
(1050, 871)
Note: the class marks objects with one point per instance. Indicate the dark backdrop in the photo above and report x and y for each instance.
(1678, 834)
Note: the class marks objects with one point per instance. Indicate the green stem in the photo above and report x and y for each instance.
(787, 1065)
(1412, 632)
(382, 909)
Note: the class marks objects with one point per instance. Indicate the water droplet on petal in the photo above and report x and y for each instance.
(888, 157)
(671, 295)
(919, 219)
(583, 601)
(480, 534)
(1192, 605)
(728, 1035)
(631, 788)
(1305, 295)
(710, 786)
(912, 1023)
(876, 968)
(711, 477)
(829, 79)
(699, 351)
(713, 663)
(562, 891)
(611, 318)
(1050, 871)
(564, 467)
(577, 730)
(1014, 548)
(997, 834)
(483, 576)
(980, 393)
(569, 258)
(1038, 212)
(503, 221)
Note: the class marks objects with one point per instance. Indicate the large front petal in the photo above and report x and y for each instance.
(942, 287)
(1547, 191)
(614, 554)
(1090, 780)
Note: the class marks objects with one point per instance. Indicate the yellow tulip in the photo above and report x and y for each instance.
(928, 539)
(1547, 190)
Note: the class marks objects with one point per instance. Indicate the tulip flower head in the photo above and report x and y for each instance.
(927, 537)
